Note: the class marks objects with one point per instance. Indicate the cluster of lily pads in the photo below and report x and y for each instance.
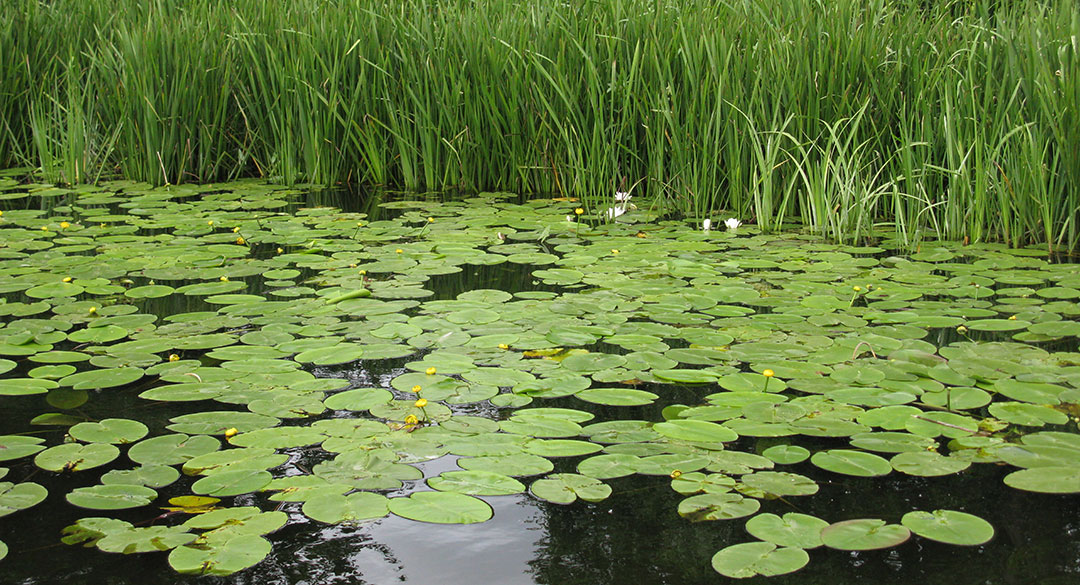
(921, 365)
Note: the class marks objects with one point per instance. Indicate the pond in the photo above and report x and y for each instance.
(245, 383)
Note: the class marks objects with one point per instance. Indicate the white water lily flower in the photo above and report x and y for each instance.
(622, 196)
(614, 212)
(732, 223)
(706, 225)
(569, 218)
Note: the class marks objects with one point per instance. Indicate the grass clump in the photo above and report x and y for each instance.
(954, 120)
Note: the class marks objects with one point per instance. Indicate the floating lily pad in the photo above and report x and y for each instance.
(112, 497)
(220, 558)
(110, 430)
(949, 526)
(794, 529)
(441, 508)
(356, 507)
(565, 488)
(76, 456)
(750, 559)
(20, 496)
(864, 534)
(717, 506)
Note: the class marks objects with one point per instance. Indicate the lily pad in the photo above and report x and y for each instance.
(441, 508)
(864, 534)
(949, 526)
(750, 559)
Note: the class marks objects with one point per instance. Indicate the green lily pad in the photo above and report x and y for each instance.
(949, 526)
(441, 508)
(112, 497)
(145, 539)
(110, 430)
(617, 396)
(566, 488)
(76, 456)
(356, 507)
(794, 529)
(750, 559)
(1047, 480)
(717, 506)
(848, 462)
(220, 558)
(16, 446)
(20, 496)
(476, 483)
(864, 534)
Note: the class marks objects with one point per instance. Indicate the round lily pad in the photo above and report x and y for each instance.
(20, 496)
(76, 456)
(220, 557)
(112, 497)
(949, 526)
(110, 430)
(750, 559)
(794, 529)
(356, 507)
(441, 508)
(864, 534)
(565, 488)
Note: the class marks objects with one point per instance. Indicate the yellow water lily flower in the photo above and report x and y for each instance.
(430, 371)
(92, 310)
(420, 403)
(224, 279)
(676, 474)
(768, 373)
(416, 388)
(579, 211)
(66, 279)
(399, 251)
(240, 241)
(64, 225)
(173, 357)
(231, 432)
(503, 346)
(411, 420)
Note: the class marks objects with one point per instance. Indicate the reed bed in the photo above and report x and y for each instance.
(955, 120)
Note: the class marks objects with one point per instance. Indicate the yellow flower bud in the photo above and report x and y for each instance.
(856, 288)
(66, 279)
(416, 388)
(231, 432)
(420, 403)
(398, 251)
(503, 346)
(236, 230)
(211, 222)
(430, 371)
(240, 241)
(961, 329)
(44, 228)
(92, 310)
(676, 474)
(224, 279)
(431, 220)
(768, 373)
(411, 420)
(614, 251)
(579, 211)
(279, 250)
(64, 225)
(173, 357)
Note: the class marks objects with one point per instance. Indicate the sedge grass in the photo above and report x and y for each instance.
(955, 120)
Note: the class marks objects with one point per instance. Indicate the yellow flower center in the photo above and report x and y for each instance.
(398, 251)
(503, 346)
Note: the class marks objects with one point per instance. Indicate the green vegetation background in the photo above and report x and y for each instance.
(947, 119)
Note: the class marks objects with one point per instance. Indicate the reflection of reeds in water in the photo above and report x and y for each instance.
(952, 119)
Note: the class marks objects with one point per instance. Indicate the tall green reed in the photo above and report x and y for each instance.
(847, 118)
